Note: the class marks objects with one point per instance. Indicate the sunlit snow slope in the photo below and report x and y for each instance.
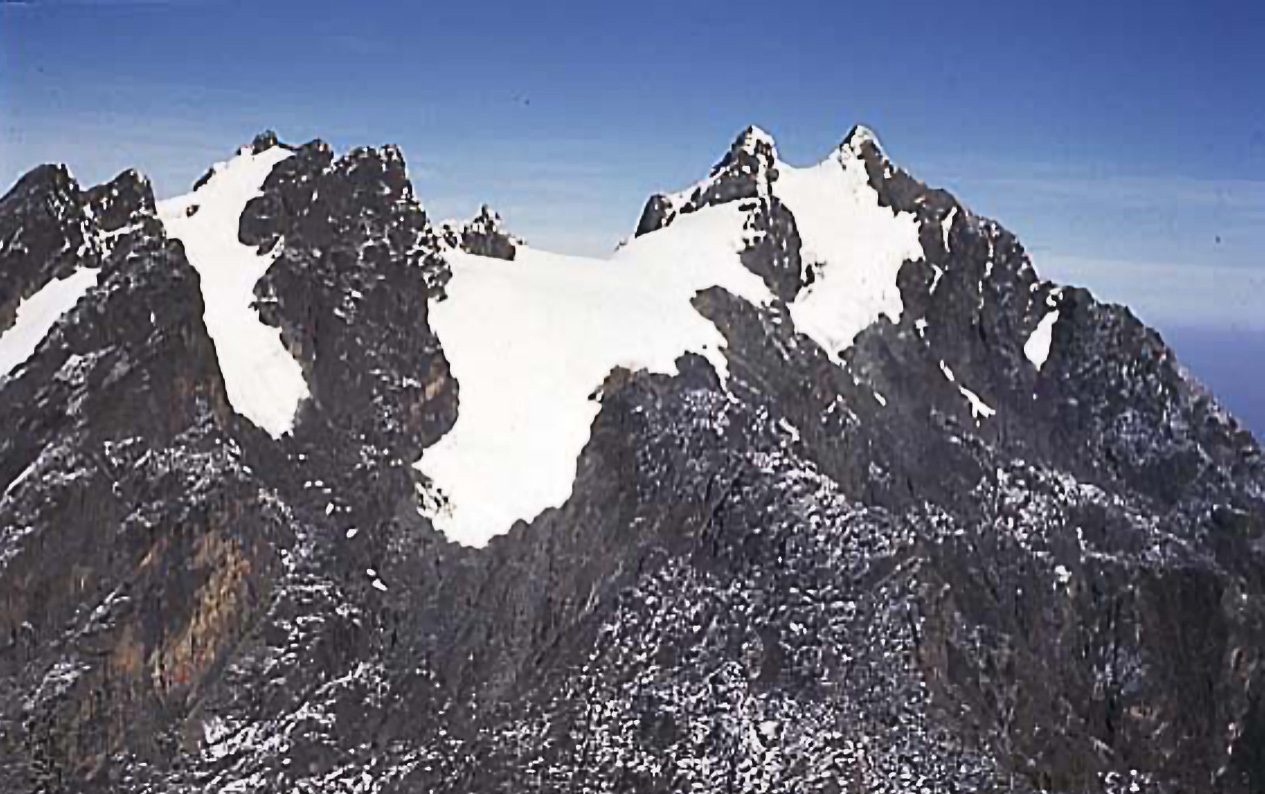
(37, 315)
(264, 382)
(854, 247)
(529, 341)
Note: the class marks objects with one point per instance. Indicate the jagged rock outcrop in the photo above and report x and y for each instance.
(743, 173)
(482, 236)
(1000, 540)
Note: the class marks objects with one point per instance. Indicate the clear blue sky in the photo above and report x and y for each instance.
(1123, 142)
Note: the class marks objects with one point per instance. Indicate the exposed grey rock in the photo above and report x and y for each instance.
(782, 584)
(482, 236)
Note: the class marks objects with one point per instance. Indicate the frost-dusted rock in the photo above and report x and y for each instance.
(914, 560)
(264, 141)
(773, 249)
(44, 233)
(743, 173)
(484, 236)
(350, 288)
(658, 213)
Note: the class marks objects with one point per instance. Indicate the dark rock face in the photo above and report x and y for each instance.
(44, 234)
(773, 250)
(482, 236)
(831, 574)
(349, 292)
(750, 163)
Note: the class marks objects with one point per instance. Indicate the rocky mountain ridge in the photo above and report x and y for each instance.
(970, 548)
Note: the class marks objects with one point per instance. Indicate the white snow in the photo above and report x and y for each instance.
(13, 486)
(351, 533)
(861, 134)
(1037, 348)
(790, 429)
(37, 314)
(858, 245)
(946, 226)
(880, 399)
(529, 341)
(978, 407)
(264, 382)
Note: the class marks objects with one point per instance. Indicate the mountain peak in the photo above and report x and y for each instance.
(483, 236)
(755, 141)
(858, 137)
(783, 487)
(753, 151)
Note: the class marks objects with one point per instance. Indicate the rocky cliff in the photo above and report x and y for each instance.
(885, 511)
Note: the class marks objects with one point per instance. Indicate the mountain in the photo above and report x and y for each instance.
(813, 486)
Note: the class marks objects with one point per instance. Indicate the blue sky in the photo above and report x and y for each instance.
(1124, 143)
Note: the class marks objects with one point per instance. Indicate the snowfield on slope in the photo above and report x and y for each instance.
(264, 382)
(37, 315)
(529, 341)
(854, 246)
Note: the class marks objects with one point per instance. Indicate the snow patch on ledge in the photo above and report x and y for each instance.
(37, 315)
(1037, 348)
(264, 382)
(530, 341)
(979, 408)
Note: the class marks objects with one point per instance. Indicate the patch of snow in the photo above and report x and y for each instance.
(881, 399)
(790, 429)
(1037, 348)
(946, 226)
(754, 136)
(1062, 574)
(12, 486)
(37, 314)
(351, 533)
(264, 382)
(378, 584)
(561, 325)
(978, 407)
(861, 134)
(935, 279)
(921, 327)
(858, 245)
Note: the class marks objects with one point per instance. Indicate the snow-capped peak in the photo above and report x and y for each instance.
(756, 141)
(856, 139)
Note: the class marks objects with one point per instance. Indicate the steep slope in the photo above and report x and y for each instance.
(265, 384)
(814, 486)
